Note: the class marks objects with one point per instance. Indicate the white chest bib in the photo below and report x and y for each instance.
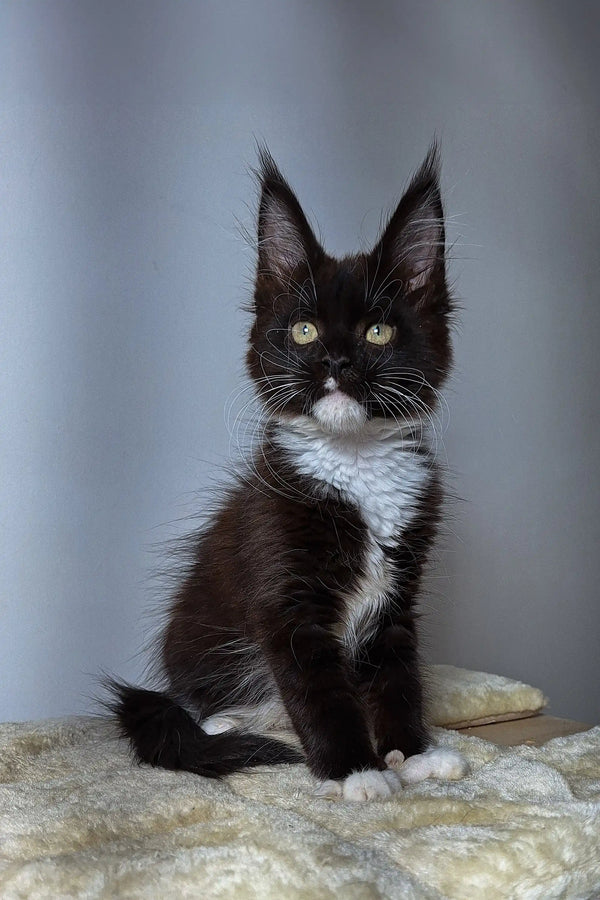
(379, 473)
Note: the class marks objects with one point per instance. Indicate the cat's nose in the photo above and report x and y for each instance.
(335, 365)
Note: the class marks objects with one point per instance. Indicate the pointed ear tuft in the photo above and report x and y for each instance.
(285, 239)
(412, 246)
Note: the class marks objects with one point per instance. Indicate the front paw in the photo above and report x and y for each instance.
(394, 759)
(358, 787)
(437, 762)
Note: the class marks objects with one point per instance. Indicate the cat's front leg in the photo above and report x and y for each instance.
(395, 695)
(389, 671)
(326, 712)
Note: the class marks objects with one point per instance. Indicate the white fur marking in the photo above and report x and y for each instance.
(339, 413)
(328, 790)
(448, 765)
(218, 724)
(376, 470)
(253, 717)
(379, 473)
(370, 595)
(394, 759)
(369, 785)
(358, 787)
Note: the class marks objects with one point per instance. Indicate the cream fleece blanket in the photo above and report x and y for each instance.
(78, 819)
(461, 697)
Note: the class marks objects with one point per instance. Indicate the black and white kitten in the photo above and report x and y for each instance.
(299, 606)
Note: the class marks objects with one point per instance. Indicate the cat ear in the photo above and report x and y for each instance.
(412, 247)
(285, 239)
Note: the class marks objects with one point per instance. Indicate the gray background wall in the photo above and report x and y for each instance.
(126, 132)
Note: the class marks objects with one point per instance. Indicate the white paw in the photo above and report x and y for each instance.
(394, 759)
(448, 765)
(370, 785)
(217, 724)
(329, 790)
(358, 787)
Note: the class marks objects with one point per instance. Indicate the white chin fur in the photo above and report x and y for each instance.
(339, 414)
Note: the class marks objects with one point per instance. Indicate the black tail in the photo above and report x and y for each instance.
(162, 733)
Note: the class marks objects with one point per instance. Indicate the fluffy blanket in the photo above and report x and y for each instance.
(79, 819)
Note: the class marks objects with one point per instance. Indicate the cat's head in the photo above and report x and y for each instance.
(343, 342)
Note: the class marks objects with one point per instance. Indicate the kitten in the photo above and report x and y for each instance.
(299, 606)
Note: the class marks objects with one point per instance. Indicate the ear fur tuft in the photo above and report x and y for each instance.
(285, 239)
(412, 245)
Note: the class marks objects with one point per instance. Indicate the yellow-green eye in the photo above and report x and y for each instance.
(304, 332)
(379, 334)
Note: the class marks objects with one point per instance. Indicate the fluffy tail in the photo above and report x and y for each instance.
(162, 733)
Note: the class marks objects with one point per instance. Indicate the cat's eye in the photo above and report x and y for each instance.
(304, 332)
(379, 334)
